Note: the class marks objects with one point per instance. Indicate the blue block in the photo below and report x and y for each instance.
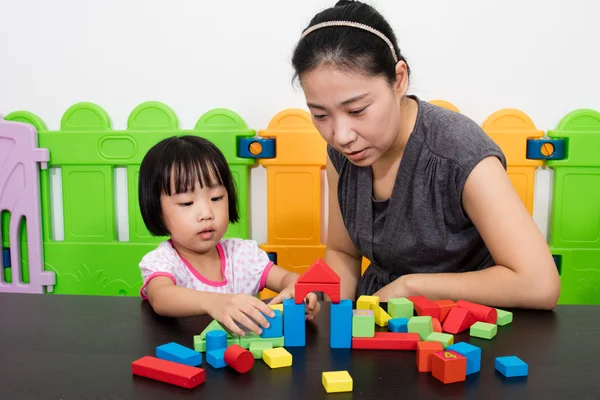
(340, 325)
(398, 325)
(294, 324)
(179, 354)
(216, 340)
(267, 147)
(216, 358)
(471, 353)
(275, 330)
(511, 366)
(6, 258)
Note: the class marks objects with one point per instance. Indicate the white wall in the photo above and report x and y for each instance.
(538, 56)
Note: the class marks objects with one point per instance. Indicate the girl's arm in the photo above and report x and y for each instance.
(170, 300)
(525, 275)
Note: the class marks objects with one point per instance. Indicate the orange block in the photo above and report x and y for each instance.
(424, 352)
(445, 307)
(437, 327)
(449, 366)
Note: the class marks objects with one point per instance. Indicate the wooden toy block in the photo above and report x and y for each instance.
(381, 317)
(425, 307)
(239, 358)
(251, 337)
(472, 353)
(435, 323)
(398, 325)
(294, 324)
(387, 341)
(444, 338)
(214, 325)
(421, 325)
(363, 323)
(367, 302)
(449, 366)
(170, 372)
(302, 289)
(216, 340)
(319, 272)
(234, 339)
(445, 307)
(340, 325)
(424, 352)
(277, 358)
(400, 308)
(257, 348)
(457, 321)
(275, 328)
(479, 312)
(277, 307)
(504, 317)
(337, 381)
(483, 330)
(216, 358)
(179, 354)
(511, 366)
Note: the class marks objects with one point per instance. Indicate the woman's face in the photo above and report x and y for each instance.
(358, 115)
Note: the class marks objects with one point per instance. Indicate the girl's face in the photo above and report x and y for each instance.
(358, 115)
(197, 220)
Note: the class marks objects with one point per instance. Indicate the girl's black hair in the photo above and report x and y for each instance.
(182, 160)
(349, 48)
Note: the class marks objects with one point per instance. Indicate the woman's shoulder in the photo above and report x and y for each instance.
(452, 135)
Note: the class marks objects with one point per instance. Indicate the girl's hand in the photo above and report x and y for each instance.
(230, 309)
(312, 304)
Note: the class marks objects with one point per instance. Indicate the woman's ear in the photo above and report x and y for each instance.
(401, 84)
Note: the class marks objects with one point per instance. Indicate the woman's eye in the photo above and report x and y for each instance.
(320, 117)
(358, 112)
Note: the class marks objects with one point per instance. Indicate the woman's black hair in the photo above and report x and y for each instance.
(349, 48)
(181, 161)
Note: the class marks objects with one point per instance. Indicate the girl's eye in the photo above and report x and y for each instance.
(217, 198)
(358, 112)
(189, 203)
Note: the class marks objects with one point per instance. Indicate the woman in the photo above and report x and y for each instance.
(420, 191)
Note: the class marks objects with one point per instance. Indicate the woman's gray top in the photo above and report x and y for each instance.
(423, 227)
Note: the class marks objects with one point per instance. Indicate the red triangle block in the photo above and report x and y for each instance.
(319, 272)
(458, 320)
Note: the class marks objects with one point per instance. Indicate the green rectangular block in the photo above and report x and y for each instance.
(401, 308)
(363, 323)
(483, 330)
(444, 338)
(504, 317)
(257, 348)
(421, 325)
(251, 337)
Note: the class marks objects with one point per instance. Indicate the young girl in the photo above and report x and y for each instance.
(186, 191)
(420, 191)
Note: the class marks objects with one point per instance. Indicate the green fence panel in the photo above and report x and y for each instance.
(90, 260)
(575, 220)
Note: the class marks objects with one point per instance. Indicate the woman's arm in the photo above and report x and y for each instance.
(340, 253)
(525, 275)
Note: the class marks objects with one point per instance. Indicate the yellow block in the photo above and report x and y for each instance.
(381, 317)
(277, 358)
(366, 302)
(337, 381)
(445, 104)
(277, 307)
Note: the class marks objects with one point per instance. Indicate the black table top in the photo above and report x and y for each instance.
(81, 347)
